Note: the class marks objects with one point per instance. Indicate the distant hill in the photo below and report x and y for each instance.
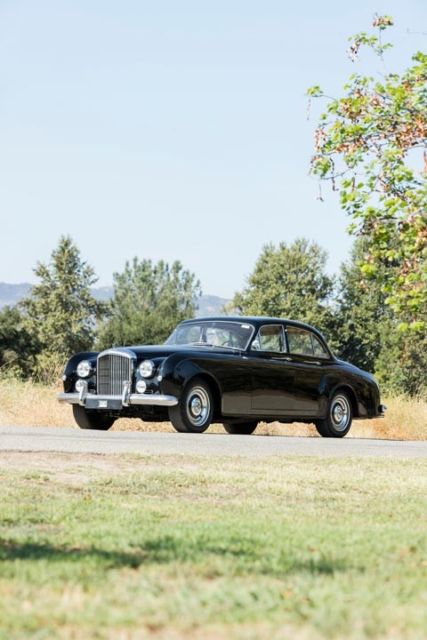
(211, 306)
(11, 294)
(102, 293)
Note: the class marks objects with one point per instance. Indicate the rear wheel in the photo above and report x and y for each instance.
(194, 412)
(91, 420)
(338, 421)
(244, 428)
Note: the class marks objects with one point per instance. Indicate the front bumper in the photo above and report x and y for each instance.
(116, 403)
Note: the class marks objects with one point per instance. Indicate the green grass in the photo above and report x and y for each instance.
(120, 547)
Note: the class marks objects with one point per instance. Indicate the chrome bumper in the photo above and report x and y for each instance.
(115, 403)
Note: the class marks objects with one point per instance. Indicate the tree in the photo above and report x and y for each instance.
(60, 312)
(401, 366)
(359, 313)
(149, 300)
(289, 282)
(367, 332)
(17, 346)
(371, 144)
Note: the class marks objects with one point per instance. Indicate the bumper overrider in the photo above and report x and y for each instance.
(116, 403)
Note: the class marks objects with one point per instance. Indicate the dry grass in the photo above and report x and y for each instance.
(26, 403)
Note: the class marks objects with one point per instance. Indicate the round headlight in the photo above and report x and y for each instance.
(146, 368)
(141, 386)
(84, 369)
(80, 385)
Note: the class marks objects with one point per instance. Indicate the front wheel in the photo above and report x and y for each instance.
(338, 421)
(244, 428)
(194, 412)
(91, 420)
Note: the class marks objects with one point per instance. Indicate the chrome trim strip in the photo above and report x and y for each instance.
(83, 394)
(148, 399)
(126, 393)
(153, 399)
(115, 352)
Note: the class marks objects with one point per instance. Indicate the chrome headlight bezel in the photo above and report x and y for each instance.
(84, 369)
(146, 369)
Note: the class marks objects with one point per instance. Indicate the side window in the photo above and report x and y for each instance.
(318, 348)
(299, 341)
(305, 343)
(270, 337)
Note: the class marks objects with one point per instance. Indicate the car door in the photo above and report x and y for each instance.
(271, 372)
(309, 362)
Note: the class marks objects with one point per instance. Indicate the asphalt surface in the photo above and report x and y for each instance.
(154, 443)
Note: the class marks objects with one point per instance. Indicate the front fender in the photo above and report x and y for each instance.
(70, 377)
(177, 371)
(78, 357)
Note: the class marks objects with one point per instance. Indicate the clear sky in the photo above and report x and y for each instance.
(171, 129)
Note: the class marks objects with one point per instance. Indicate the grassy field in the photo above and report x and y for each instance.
(25, 403)
(130, 547)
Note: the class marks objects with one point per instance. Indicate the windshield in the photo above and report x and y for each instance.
(213, 333)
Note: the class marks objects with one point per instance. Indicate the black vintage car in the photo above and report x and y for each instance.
(237, 371)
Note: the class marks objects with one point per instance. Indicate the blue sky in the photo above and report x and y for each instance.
(174, 130)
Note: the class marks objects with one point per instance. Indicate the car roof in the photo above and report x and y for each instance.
(257, 321)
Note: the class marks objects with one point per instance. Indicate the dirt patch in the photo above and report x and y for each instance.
(84, 468)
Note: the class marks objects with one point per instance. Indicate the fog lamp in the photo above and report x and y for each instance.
(141, 386)
(80, 384)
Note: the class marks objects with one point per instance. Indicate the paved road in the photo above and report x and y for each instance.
(153, 443)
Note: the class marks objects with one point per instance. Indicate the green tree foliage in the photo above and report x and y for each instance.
(401, 366)
(367, 332)
(360, 312)
(289, 282)
(60, 312)
(149, 300)
(17, 347)
(371, 144)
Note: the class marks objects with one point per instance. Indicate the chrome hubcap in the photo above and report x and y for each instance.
(340, 412)
(198, 406)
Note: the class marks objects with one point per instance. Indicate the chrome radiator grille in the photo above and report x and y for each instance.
(113, 370)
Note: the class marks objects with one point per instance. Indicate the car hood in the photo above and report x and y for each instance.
(149, 352)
